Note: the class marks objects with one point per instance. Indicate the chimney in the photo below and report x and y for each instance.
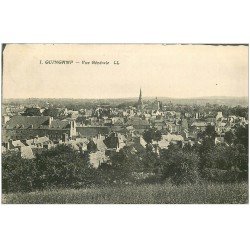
(50, 120)
(99, 135)
(64, 137)
(72, 124)
(8, 144)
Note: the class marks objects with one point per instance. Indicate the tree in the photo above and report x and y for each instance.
(225, 163)
(157, 135)
(91, 146)
(180, 166)
(239, 158)
(152, 134)
(120, 168)
(81, 119)
(53, 112)
(241, 135)
(218, 157)
(150, 160)
(18, 174)
(239, 111)
(210, 132)
(62, 166)
(229, 137)
(148, 135)
(32, 112)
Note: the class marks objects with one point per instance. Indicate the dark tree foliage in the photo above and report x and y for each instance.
(122, 166)
(225, 163)
(241, 135)
(150, 162)
(218, 157)
(18, 174)
(229, 137)
(81, 119)
(152, 134)
(92, 147)
(239, 111)
(148, 136)
(57, 167)
(53, 112)
(180, 166)
(32, 112)
(157, 135)
(209, 132)
(126, 165)
(239, 158)
(116, 171)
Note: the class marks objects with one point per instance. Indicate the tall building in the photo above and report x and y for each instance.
(140, 102)
(157, 105)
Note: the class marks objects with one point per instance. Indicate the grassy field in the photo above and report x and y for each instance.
(143, 194)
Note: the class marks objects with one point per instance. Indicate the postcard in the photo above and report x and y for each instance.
(125, 124)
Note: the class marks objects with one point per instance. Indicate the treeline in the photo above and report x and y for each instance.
(63, 167)
(238, 110)
(70, 104)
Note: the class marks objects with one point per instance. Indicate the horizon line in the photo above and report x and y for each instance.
(112, 98)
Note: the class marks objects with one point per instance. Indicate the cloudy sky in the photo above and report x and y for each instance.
(177, 71)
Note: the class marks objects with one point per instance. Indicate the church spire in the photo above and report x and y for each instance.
(140, 102)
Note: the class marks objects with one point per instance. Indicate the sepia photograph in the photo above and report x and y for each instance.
(124, 123)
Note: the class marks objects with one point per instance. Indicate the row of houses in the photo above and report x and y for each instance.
(33, 134)
(110, 133)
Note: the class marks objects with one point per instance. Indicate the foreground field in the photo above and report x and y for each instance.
(143, 194)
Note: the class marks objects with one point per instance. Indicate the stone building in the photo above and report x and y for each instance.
(27, 127)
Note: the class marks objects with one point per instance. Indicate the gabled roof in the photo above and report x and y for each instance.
(136, 121)
(25, 122)
(92, 131)
(58, 124)
(17, 143)
(118, 129)
(35, 122)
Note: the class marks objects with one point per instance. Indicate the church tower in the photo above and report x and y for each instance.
(140, 102)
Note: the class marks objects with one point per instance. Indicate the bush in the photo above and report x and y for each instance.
(57, 167)
(225, 164)
(182, 167)
(18, 174)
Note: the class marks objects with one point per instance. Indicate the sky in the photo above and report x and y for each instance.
(175, 71)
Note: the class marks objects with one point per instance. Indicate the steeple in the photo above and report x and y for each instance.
(140, 102)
